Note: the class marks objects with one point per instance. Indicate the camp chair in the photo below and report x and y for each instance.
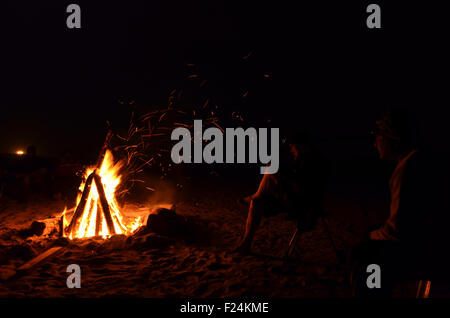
(432, 267)
(299, 231)
(423, 288)
(425, 275)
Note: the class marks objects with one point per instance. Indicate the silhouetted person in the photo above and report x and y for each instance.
(31, 151)
(398, 245)
(296, 189)
(38, 174)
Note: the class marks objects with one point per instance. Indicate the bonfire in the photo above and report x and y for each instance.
(97, 211)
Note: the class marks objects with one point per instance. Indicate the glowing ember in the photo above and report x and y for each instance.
(97, 211)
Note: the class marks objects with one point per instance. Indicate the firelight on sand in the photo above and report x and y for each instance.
(99, 218)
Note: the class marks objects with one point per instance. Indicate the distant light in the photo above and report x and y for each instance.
(19, 152)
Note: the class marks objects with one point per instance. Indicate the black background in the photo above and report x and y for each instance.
(328, 72)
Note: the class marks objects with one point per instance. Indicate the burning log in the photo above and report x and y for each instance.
(97, 212)
(82, 203)
(87, 189)
(104, 204)
(98, 224)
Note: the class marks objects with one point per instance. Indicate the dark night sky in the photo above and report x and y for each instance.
(329, 73)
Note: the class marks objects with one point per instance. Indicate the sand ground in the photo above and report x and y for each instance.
(198, 264)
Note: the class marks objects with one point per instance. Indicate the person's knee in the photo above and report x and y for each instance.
(257, 208)
(267, 185)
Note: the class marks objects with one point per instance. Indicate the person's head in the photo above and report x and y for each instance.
(31, 151)
(393, 134)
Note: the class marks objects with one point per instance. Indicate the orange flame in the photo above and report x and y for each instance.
(110, 179)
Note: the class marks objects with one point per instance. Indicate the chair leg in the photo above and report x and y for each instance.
(292, 244)
(294, 238)
(419, 288)
(426, 289)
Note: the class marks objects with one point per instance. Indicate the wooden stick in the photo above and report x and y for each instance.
(39, 258)
(61, 226)
(81, 205)
(89, 212)
(61, 221)
(22, 269)
(104, 204)
(98, 220)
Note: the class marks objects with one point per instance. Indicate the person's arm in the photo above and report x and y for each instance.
(403, 205)
(412, 215)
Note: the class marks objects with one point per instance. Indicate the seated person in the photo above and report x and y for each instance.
(398, 245)
(296, 189)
